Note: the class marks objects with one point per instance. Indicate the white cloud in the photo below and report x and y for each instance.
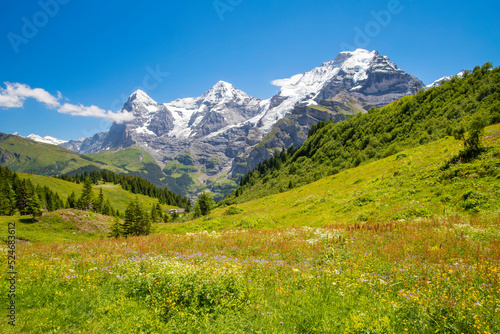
(93, 111)
(287, 82)
(14, 95)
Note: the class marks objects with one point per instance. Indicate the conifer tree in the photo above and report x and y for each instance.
(107, 209)
(154, 215)
(71, 201)
(85, 202)
(35, 206)
(117, 229)
(205, 203)
(99, 204)
(22, 198)
(7, 198)
(136, 220)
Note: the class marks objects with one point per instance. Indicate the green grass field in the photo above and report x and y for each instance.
(436, 275)
(118, 197)
(66, 225)
(410, 184)
(407, 244)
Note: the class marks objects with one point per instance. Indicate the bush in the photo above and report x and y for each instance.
(232, 211)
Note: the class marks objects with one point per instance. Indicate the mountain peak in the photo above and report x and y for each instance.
(222, 86)
(222, 91)
(222, 83)
(140, 96)
(46, 139)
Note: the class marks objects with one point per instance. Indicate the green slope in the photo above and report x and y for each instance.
(132, 160)
(118, 197)
(407, 185)
(428, 116)
(27, 156)
(66, 225)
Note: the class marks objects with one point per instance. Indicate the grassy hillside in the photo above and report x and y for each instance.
(133, 161)
(409, 122)
(118, 197)
(27, 156)
(401, 243)
(407, 185)
(68, 225)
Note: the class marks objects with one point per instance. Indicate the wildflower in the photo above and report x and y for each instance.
(281, 323)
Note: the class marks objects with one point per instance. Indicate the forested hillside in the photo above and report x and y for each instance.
(134, 184)
(409, 122)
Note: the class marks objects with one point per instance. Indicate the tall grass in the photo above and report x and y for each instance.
(419, 276)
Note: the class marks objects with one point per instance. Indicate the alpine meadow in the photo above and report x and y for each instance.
(250, 167)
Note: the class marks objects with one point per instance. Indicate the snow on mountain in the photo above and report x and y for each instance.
(46, 139)
(221, 127)
(354, 68)
(140, 104)
(194, 116)
(443, 79)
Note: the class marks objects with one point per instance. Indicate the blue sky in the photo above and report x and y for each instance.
(97, 53)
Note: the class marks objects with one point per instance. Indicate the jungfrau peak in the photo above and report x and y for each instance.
(363, 73)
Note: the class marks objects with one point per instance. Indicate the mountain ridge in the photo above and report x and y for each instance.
(219, 129)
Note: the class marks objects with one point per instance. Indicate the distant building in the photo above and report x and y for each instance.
(179, 211)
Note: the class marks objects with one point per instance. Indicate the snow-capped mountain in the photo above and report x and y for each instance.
(438, 82)
(220, 108)
(364, 74)
(45, 140)
(208, 132)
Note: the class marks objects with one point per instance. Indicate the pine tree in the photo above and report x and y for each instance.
(99, 204)
(117, 229)
(71, 201)
(22, 197)
(85, 202)
(7, 198)
(157, 212)
(175, 215)
(205, 203)
(107, 209)
(136, 220)
(154, 214)
(35, 206)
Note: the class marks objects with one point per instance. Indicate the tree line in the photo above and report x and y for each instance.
(21, 196)
(134, 184)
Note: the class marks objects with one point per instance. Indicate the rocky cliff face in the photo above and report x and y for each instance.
(203, 142)
(370, 77)
(292, 130)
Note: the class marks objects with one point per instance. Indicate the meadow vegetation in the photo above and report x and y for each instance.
(420, 276)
